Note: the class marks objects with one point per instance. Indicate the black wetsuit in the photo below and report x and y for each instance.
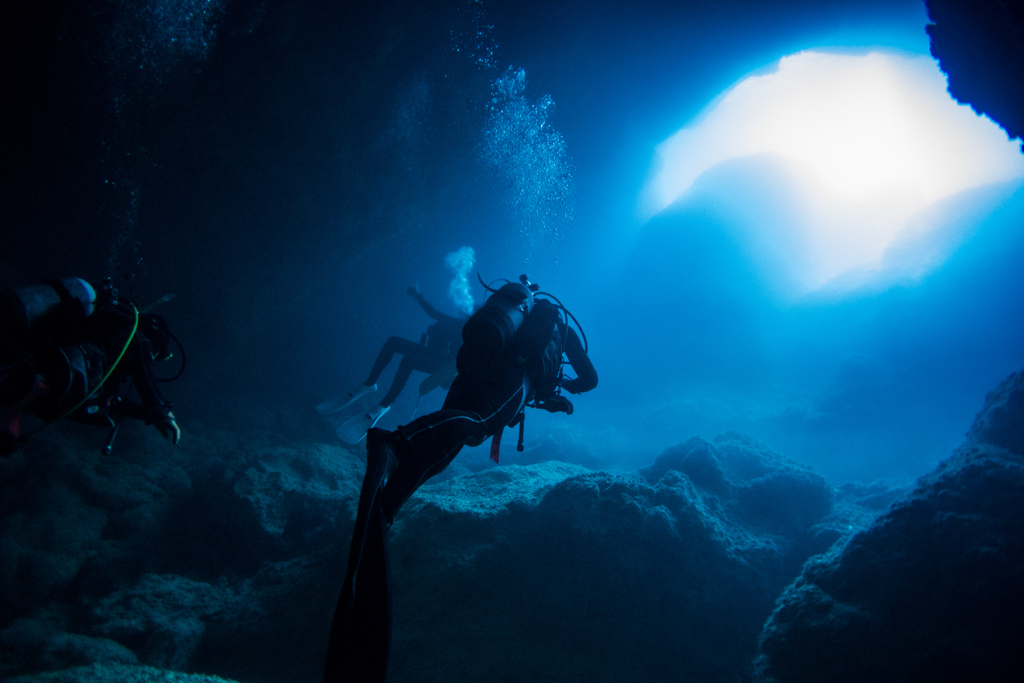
(63, 371)
(486, 396)
(483, 399)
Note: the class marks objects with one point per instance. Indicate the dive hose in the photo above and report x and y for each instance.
(131, 336)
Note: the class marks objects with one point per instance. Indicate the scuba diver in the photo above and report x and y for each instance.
(70, 351)
(512, 357)
(434, 355)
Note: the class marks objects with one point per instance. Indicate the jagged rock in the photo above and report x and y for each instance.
(276, 520)
(116, 673)
(553, 572)
(299, 491)
(238, 515)
(564, 445)
(980, 46)
(934, 590)
(41, 644)
(1000, 421)
(163, 617)
(67, 510)
(755, 484)
(752, 487)
(255, 502)
(281, 631)
(496, 574)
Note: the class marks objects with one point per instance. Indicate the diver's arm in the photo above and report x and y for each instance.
(586, 375)
(414, 292)
(155, 409)
(437, 315)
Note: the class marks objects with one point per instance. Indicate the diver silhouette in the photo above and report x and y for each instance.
(512, 357)
(434, 355)
(69, 351)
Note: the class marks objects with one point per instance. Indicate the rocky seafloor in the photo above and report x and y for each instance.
(934, 589)
(720, 561)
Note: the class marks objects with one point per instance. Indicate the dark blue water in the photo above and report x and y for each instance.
(287, 169)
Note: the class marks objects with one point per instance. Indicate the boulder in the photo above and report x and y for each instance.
(551, 572)
(934, 589)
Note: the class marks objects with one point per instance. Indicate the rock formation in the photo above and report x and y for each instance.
(980, 46)
(934, 589)
(225, 557)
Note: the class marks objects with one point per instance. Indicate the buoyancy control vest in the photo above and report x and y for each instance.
(73, 373)
(539, 348)
(513, 326)
(46, 308)
(491, 331)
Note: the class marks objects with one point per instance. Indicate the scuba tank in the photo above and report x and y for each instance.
(492, 328)
(26, 311)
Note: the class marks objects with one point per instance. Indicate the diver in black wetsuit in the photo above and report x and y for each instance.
(69, 351)
(439, 345)
(433, 355)
(512, 357)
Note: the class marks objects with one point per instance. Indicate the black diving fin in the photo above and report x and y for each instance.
(360, 638)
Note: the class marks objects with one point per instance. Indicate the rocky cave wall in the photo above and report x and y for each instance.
(225, 556)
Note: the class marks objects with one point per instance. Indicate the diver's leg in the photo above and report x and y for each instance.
(353, 651)
(376, 471)
(392, 346)
(405, 369)
(361, 630)
(426, 446)
(420, 359)
(372, 605)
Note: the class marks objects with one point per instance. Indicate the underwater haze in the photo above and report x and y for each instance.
(795, 257)
(287, 169)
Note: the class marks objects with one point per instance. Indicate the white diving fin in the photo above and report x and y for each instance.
(354, 431)
(343, 401)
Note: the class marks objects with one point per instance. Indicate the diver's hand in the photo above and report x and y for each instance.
(569, 385)
(557, 404)
(168, 426)
(413, 290)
